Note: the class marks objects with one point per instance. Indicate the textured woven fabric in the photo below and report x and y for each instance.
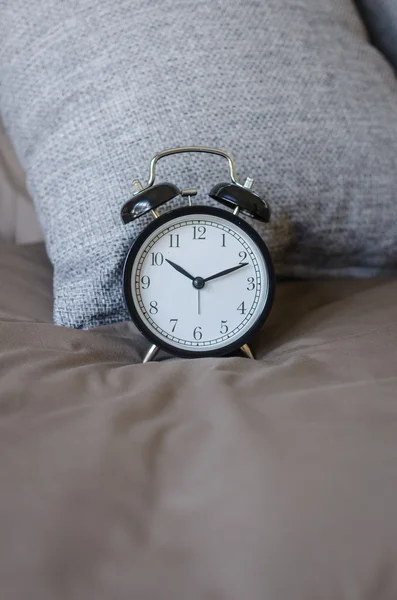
(380, 17)
(92, 89)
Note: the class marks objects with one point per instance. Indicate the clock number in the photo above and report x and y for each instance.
(224, 328)
(174, 321)
(199, 232)
(197, 333)
(153, 308)
(242, 308)
(223, 240)
(243, 256)
(145, 281)
(157, 259)
(174, 240)
(251, 284)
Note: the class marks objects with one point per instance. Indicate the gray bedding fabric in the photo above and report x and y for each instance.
(91, 90)
(207, 479)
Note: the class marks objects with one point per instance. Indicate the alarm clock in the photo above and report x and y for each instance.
(198, 281)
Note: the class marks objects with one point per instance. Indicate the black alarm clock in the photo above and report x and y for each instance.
(198, 281)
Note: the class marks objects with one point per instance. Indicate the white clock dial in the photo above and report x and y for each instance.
(199, 282)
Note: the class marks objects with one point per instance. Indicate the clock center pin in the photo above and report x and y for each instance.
(198, 283)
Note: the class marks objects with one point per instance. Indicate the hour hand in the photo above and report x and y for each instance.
(225, 272)
(180, 269)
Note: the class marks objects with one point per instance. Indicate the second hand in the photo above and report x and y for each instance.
(198, 302)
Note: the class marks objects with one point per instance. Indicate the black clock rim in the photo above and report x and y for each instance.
(170, 216)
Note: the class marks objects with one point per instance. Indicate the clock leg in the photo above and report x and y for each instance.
(151, 353)
(247, 351)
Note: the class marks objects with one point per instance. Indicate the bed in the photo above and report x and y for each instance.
(207, 478)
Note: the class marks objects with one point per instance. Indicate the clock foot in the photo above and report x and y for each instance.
(151, 353)
(247, 351)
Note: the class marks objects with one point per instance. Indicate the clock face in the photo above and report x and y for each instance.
(198, 281)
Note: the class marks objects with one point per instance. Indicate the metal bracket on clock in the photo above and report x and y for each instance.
(245, 349)
(151, 353)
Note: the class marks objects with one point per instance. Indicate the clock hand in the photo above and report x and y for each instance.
(180, 269)
(221, 273)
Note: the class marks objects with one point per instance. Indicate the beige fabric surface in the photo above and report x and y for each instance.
(18, 220)
(218, 479)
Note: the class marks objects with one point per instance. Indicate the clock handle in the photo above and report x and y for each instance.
(169, 151)
(234, 195)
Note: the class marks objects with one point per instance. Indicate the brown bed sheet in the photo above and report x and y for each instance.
(218, 479)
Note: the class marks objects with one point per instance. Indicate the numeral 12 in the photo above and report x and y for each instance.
(199, 232)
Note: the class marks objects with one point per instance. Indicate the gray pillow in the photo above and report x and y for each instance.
(380, 17)
(92, 89)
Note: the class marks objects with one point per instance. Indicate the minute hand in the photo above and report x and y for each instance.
(225, 272)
